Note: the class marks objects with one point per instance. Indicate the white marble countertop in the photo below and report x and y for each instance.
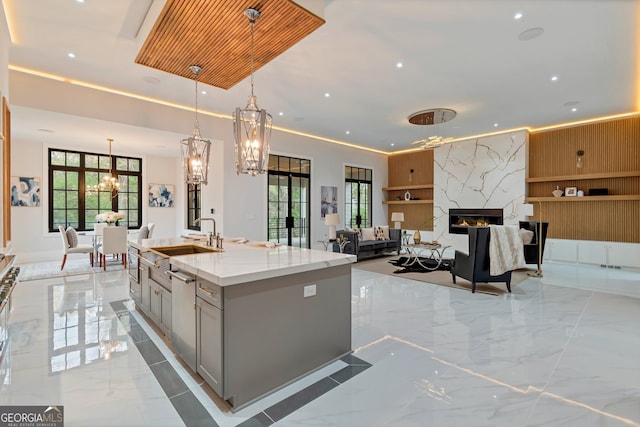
(247, 262)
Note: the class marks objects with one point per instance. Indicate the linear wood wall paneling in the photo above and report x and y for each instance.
(586, 176)
(6, 169)
(417, 213)
(609, 221)
(611, 160)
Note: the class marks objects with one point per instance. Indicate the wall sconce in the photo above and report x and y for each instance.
(579, 159)
(410, 176)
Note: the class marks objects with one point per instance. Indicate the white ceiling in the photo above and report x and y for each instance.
(460, 54)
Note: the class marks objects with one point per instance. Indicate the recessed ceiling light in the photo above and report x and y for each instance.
(518, 16)
(399, 65)
(348, 132)
(554, 78)
(530, 34)
(71, 55)
(393, 145)
(574, 109)
(152, 80)
(80, 1)
(495, 125)
(204, 92)
(281, 113)
(327, 94)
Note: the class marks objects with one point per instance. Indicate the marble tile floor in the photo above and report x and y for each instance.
(563, 350)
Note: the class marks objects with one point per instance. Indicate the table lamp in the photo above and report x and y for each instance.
(397, 217)
(332, 220)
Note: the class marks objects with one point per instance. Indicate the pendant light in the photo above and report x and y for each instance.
(195, 149)
(109, 182)
(252, 126)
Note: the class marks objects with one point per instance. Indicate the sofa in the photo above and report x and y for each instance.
(369, 248)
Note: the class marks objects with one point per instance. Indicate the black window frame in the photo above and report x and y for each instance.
(117, 202)
(194, 205)
(364, 177)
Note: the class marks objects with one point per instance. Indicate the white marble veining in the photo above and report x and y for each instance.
(247, 262)
(563, 350)
(485, 172)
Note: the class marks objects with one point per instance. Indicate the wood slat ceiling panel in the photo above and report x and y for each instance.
(216, 35)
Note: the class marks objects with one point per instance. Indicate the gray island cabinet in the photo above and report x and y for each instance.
(251, 319)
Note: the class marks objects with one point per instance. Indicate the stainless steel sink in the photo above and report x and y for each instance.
(184, 250)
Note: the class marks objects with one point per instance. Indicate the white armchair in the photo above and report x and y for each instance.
(150, 226)
(114, 242)
(73, 247)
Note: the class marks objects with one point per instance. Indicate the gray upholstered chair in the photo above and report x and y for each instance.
(475, 266)
(70, 246)
(114, 242)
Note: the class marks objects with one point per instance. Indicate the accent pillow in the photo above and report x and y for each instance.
(368, 233)
(526, 236)
(72, 237)
(382, 232)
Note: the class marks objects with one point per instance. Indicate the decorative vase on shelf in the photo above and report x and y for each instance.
(416, 237)
(557, 192)
(407, 196)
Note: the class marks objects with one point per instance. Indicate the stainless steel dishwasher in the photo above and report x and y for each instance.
(183, 315)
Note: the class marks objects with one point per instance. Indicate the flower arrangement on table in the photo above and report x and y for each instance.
(110, 217)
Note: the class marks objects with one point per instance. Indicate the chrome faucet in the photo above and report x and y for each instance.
(210, 235)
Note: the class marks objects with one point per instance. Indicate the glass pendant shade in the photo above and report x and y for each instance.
(252, 132)
(195, 149)
(195, 155)
(252, 126)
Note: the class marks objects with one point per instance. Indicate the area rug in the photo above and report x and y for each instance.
(439, 277)
(73, 267)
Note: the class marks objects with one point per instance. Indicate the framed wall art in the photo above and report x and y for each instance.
(328, 200)
(161, 195)
(25, 191)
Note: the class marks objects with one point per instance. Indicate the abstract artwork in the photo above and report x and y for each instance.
(25, 191)
(161, 195)
(328, 200)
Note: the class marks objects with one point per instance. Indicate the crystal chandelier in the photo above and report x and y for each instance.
(434, 117)
(252, 126)
(195, 149)
(109, 182)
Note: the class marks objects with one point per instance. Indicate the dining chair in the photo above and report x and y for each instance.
(97, 234)
(114, 242)
(70, 245)
(150, 226)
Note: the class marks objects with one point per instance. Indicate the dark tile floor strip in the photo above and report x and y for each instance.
(185, 403)
(294, 402)
(189, 407)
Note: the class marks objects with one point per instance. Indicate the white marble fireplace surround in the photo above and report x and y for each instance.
(486, 173)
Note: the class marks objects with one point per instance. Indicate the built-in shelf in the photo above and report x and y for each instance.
(585, 198)
(408, 187)
(407, 202)
(602, 175)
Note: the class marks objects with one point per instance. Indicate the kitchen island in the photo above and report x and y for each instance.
(249, 319)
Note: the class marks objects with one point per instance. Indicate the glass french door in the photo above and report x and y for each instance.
(289, 201)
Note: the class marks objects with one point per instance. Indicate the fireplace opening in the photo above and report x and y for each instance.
(461, 219)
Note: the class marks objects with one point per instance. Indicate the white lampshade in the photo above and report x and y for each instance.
(332, 220)
(527, 209)
(397, 216)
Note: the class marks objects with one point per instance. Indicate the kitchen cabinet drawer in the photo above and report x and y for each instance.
(209, 292)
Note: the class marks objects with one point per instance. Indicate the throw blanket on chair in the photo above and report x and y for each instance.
(505, 249)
